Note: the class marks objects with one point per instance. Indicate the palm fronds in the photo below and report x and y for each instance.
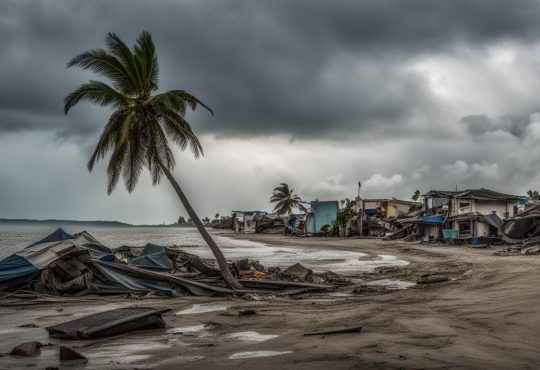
(143, 123)
(285, 199)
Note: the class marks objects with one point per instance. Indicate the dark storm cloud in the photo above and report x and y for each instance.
(303, 68)
(481, 124)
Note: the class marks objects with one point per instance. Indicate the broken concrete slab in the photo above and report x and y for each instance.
(109, 323)
(299, 272)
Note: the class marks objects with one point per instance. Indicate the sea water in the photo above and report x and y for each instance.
(15, 237)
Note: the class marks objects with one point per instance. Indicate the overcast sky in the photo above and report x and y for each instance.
(402, 95)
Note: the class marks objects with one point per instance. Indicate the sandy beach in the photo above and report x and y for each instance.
(485, 316)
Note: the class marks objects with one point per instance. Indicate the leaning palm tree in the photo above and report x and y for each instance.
(143, 122)
(286, 200)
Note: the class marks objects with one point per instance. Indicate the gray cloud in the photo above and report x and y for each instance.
(481, 124)
(402, 95)
(304, 68)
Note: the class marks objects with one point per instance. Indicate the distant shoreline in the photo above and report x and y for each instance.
(24, 221)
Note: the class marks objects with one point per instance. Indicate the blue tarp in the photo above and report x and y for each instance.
(432, 220)
(153, 256)
(57, 236)
(15, 267)
(321, 214)
(26, 264)
(122, 276)
(152, 249)
(292, 222)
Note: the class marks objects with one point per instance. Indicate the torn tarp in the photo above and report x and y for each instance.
(56, 236)
(153, 257)
(63, 257)
(123, 278)
(137, 279)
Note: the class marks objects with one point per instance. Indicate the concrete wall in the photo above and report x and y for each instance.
(482, 229)
(397, 209)
(484, 207)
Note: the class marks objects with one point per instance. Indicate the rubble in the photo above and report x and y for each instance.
(69, 354)
(518, 250)
(523, 227)
(27, 349)
(78, 265)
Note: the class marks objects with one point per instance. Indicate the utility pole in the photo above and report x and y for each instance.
(361, 209)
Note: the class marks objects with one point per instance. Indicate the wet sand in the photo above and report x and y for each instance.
(486, 316)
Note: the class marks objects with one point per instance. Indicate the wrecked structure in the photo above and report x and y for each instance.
(315, 222)
(388, 208)
(245, 221)
(225, 222)
(471, 214)
(474, 216)
(523, 227)
(380, 217)
(76, 265)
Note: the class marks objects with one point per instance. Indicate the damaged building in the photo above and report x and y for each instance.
(381, 217)
(245, 221)
(470, 214)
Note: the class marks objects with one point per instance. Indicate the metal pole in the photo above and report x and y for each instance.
(361, 209)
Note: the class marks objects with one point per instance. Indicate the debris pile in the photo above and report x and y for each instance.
(77, 265)
(269, 224)
(523, 227)
(518, 250)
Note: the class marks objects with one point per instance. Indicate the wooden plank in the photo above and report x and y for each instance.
(335, 330)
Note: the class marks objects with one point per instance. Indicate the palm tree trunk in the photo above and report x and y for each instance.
(222, 262)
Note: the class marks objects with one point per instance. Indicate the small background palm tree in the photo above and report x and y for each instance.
(533, 194)
(286, 200)
(142, 123)
(416, 195)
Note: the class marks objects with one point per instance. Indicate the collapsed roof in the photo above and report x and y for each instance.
(524, 226)
(478, 194)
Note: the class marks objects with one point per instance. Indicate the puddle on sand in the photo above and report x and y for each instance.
(253, 354)
(186, 329)
(124, 351)
(398, 284)
(202, 308)
(251, 336)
